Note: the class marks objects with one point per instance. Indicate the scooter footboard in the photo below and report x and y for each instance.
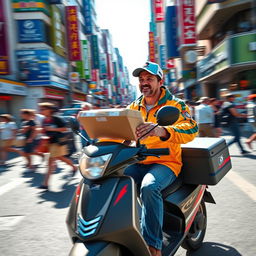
(95, 249)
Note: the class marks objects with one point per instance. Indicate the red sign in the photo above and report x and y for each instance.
(54, 94)
(151, 47)
(170, 64)
(74, 49)
(187, 23)
(4, 64)
(5, 97)
(159, 10)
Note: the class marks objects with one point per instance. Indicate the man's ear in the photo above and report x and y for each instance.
(161, 82)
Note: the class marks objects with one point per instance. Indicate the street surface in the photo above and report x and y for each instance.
(32, 222)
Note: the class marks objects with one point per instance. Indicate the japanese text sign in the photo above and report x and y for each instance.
(187, 23)
(74, 49)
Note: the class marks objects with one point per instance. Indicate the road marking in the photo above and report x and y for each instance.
(8, 222)
(244, 185)
(11, 185)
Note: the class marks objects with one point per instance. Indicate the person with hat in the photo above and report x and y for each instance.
(204, 116)
(154, 174)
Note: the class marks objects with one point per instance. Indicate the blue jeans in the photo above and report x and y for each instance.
(235, 130)
(152, 179)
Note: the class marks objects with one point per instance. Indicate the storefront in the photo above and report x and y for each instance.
(233, 61)
(12, 96)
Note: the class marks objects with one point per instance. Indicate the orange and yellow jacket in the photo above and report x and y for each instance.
(182, 131)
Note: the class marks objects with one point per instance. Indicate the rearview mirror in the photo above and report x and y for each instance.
(73, 124)
(167, 115)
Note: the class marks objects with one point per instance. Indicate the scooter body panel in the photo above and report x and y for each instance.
(107, 211)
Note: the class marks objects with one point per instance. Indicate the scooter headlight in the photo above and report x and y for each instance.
(93, 167)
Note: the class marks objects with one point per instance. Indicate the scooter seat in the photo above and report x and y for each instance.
(172, 187)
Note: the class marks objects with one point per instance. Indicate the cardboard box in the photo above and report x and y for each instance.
(205, 161)
(110, 123)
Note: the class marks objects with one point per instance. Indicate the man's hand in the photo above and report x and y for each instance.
(159, 131)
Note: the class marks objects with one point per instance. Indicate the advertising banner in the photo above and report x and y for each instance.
(87, 17)
(171, 31)
(73, 40)
(31, 31)
(243, 48)
(57, 35)
(41, 65)
(31, 6)
(186, 23)
(4, 63)
(54, 94)
(87, 60)
(151, 47)
(159, 10)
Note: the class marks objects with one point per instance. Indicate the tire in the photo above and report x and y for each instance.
(195, 236)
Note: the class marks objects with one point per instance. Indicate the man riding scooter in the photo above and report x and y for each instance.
(153, 175)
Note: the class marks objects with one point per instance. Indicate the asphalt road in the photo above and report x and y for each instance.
(32, 222)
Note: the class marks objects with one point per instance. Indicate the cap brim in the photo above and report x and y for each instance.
(137, 72)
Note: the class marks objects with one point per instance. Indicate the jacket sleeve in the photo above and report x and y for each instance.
(185, 128)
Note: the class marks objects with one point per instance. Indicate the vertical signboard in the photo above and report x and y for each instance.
(74, 49)
(58, 40)
(159, 10)
(162, 56)
(87, 59)
(171, 32)
(187, 23)
(4, 65)
(87, 17)
(95, 52)
(151, 45)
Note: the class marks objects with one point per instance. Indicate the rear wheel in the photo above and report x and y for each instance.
(195, 236)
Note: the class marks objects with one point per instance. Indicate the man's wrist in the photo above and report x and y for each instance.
(166, 135)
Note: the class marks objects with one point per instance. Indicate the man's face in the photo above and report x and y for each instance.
(149, 84)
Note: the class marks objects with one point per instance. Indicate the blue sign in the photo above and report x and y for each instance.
(162, 56)
(171, 28)
(41, 66)
(31, 31)
(87, 17)
(55, 1)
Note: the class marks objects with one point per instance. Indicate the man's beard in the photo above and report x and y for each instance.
(148, 91)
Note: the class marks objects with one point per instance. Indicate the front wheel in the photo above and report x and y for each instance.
(195, 236)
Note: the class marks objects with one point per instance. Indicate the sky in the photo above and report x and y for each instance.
(128, 23)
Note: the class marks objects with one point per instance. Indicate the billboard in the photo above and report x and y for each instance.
(186, 23)
(31, 31)
(4, 63)
(87, 17)
(39, 65)
(74, 49)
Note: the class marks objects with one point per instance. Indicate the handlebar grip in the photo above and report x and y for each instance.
(158, 151)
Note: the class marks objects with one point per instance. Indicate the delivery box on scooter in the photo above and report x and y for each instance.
(205, 161)
(119, 123)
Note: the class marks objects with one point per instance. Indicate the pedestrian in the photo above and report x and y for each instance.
(251, 111)
(153, 174)
(54, 127)
(29, 130)
(229, 110)
(204, 117)
(214, 103)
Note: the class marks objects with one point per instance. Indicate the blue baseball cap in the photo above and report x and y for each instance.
(151, 67)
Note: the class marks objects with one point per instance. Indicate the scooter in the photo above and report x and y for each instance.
(104, 214)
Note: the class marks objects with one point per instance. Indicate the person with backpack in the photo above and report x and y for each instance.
(54, 127)
(232, 118)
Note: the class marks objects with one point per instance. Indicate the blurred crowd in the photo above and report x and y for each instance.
(46, 134)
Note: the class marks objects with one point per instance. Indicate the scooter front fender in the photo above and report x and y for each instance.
(95, 249)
